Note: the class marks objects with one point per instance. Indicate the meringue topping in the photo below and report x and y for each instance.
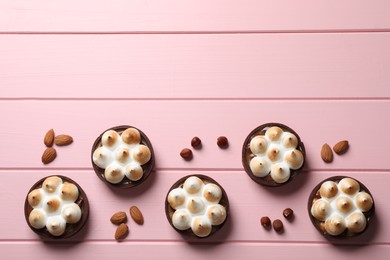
(176, 197)
(342, 210)
(260, 166)
(193, 185)
(201, 226)
(364, 201)
(181, 219)
(349, 186)
(122, 155)
(329, 189)
(258, 145)
(216, 214)
(69, 192)
(197, 206)
(335, 225)
(212, 192)
(54, 205)
(275, 147)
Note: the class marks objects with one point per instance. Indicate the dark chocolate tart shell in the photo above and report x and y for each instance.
(71, 229)
(247, 155)
(125, 183)
(179, 184)
(314, 195)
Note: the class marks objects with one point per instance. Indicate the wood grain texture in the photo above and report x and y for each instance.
(234, 66)
(248, 202)
(170, 125)
(192, 16)
(180, 250)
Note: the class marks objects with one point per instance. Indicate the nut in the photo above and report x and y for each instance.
(222, 142)
(265, 222)
(326, 153)
(277, 225)
(186, 154)
(62, 140)
(288, 213)
(121, 232)
(49, 155)
(49, 138)
(196, 142)
(136, 215)
(341, 147)
(119, 218)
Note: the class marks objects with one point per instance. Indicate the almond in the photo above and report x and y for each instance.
(49, 155)
(121, 232)
(49, 138)
(119, 218)
(62, 140)
(341, 147)
(136, 215)
(326, 153)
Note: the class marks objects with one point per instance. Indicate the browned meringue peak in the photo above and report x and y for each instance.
(134, 172)
(290, 140)
(349, 186)
(34, 198)
(294, 159)
(260, 167)
(356, 222)
(131, 136)
(101, 158)
(216, 214)
(142, 154)
(335, 225)
(69, 192)
(364, 201)
(274, 133)
(51, 184)
(110, 138)
(176, 197)
(56, 225)
(273, 154)
(344, 204)
(193, 185)
(280, 173)
(258, 145)
(201, 227)
(122, 154)
(37, 218)
(181, 219)
(329, 189)
(71, 213)
(321, 209)
(114, 174)
(195, 205)
(52, 205)
(212, 192)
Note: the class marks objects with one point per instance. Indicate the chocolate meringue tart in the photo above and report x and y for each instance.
(56, 207)
(122, 156)
(197, 206)
(341, 206)
(272, 154)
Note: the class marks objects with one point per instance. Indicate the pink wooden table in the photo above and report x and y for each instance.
(176, 69)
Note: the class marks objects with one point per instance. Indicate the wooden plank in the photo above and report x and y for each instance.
(248, 202)
(171, 124)
(177, 251)
(234, 66)
(192, 16)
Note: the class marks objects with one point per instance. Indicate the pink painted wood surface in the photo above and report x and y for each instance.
(248, 202)
(192, 16)
(262, 66)
(171, 124)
